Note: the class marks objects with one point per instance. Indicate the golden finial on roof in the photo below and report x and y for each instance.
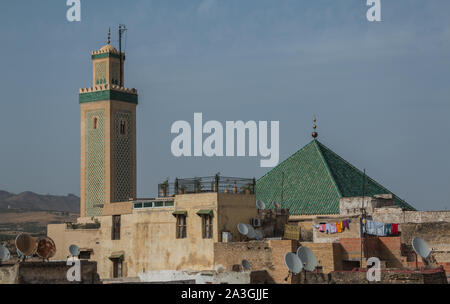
(109, 36)
(315, 134)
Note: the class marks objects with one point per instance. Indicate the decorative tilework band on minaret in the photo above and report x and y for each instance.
(108, 135)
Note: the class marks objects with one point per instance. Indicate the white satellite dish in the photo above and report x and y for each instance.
(246, 265)
(251, 232)
(307, 257)
(259, 235)
(293, 262)
(421, 247)
(4, 254)
(74, 250)
(260, 205)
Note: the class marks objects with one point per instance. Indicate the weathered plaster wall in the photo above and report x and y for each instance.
(148, 236)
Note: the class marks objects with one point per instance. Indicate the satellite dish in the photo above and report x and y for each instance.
(74, 250)
(276, 205)
(307, 257)
(243, 228)
(421, 247)
(246, 265)
(293, 262)
(251, 232)
(46, 248)
(260, 205)
(4, 254)
(26, 244)
(259, 235)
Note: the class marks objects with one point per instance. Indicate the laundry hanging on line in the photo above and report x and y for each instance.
(378, 228)
(332, 228)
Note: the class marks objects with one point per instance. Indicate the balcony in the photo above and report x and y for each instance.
(217, 183)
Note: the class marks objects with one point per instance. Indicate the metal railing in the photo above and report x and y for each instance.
(217, 183)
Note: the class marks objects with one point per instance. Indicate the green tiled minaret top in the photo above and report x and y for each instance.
(313, 180)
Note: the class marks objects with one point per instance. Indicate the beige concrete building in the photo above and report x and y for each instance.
(129, 236)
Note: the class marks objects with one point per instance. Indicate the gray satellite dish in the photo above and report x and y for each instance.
(243, 228)
(259, 235)
(4, 254)
(74, 250)
(246, 265)
(421, 247)
(293, 262)
(307, 257)
(251, 232)
(260, 205)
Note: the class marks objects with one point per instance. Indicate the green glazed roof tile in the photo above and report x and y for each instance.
(312, 181)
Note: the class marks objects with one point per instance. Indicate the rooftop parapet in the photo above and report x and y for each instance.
(217, 183)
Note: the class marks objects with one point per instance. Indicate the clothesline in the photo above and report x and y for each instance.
(331, 228)
(378, 228)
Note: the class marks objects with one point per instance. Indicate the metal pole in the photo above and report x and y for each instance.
(363, 218)
(120, 54)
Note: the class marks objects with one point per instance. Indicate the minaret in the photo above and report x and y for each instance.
(108, 135)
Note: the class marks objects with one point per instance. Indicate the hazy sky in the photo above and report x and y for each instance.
(380, 90)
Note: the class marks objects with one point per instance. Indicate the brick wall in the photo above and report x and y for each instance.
(435, 276)
(263, 255)
(387, 249)
(396, 215)
(50, 273)
(328, 255)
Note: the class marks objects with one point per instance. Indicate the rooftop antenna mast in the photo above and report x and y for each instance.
(363, 218)
(122, 29)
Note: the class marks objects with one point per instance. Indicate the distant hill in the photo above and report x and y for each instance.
(37, 202)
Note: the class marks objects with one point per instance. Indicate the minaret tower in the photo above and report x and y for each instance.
(108, 135)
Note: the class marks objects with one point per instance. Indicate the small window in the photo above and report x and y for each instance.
(117, 268)
(207, 226)
(168, 204)
(148, 205)
(85, 255)
(159, 204)
(181, 226)
(95, 123)
(137, 205)
(115, 227)
(123, 127)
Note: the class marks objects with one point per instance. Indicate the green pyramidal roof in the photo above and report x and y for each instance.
(312, 181)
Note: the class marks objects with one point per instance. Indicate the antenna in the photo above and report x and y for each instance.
(307, 257)
(260, 205)
(246, 265)
(421, 248)
(293, 262)
(74, 250)
(122, 29)
(4, 254)
(46, 248)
